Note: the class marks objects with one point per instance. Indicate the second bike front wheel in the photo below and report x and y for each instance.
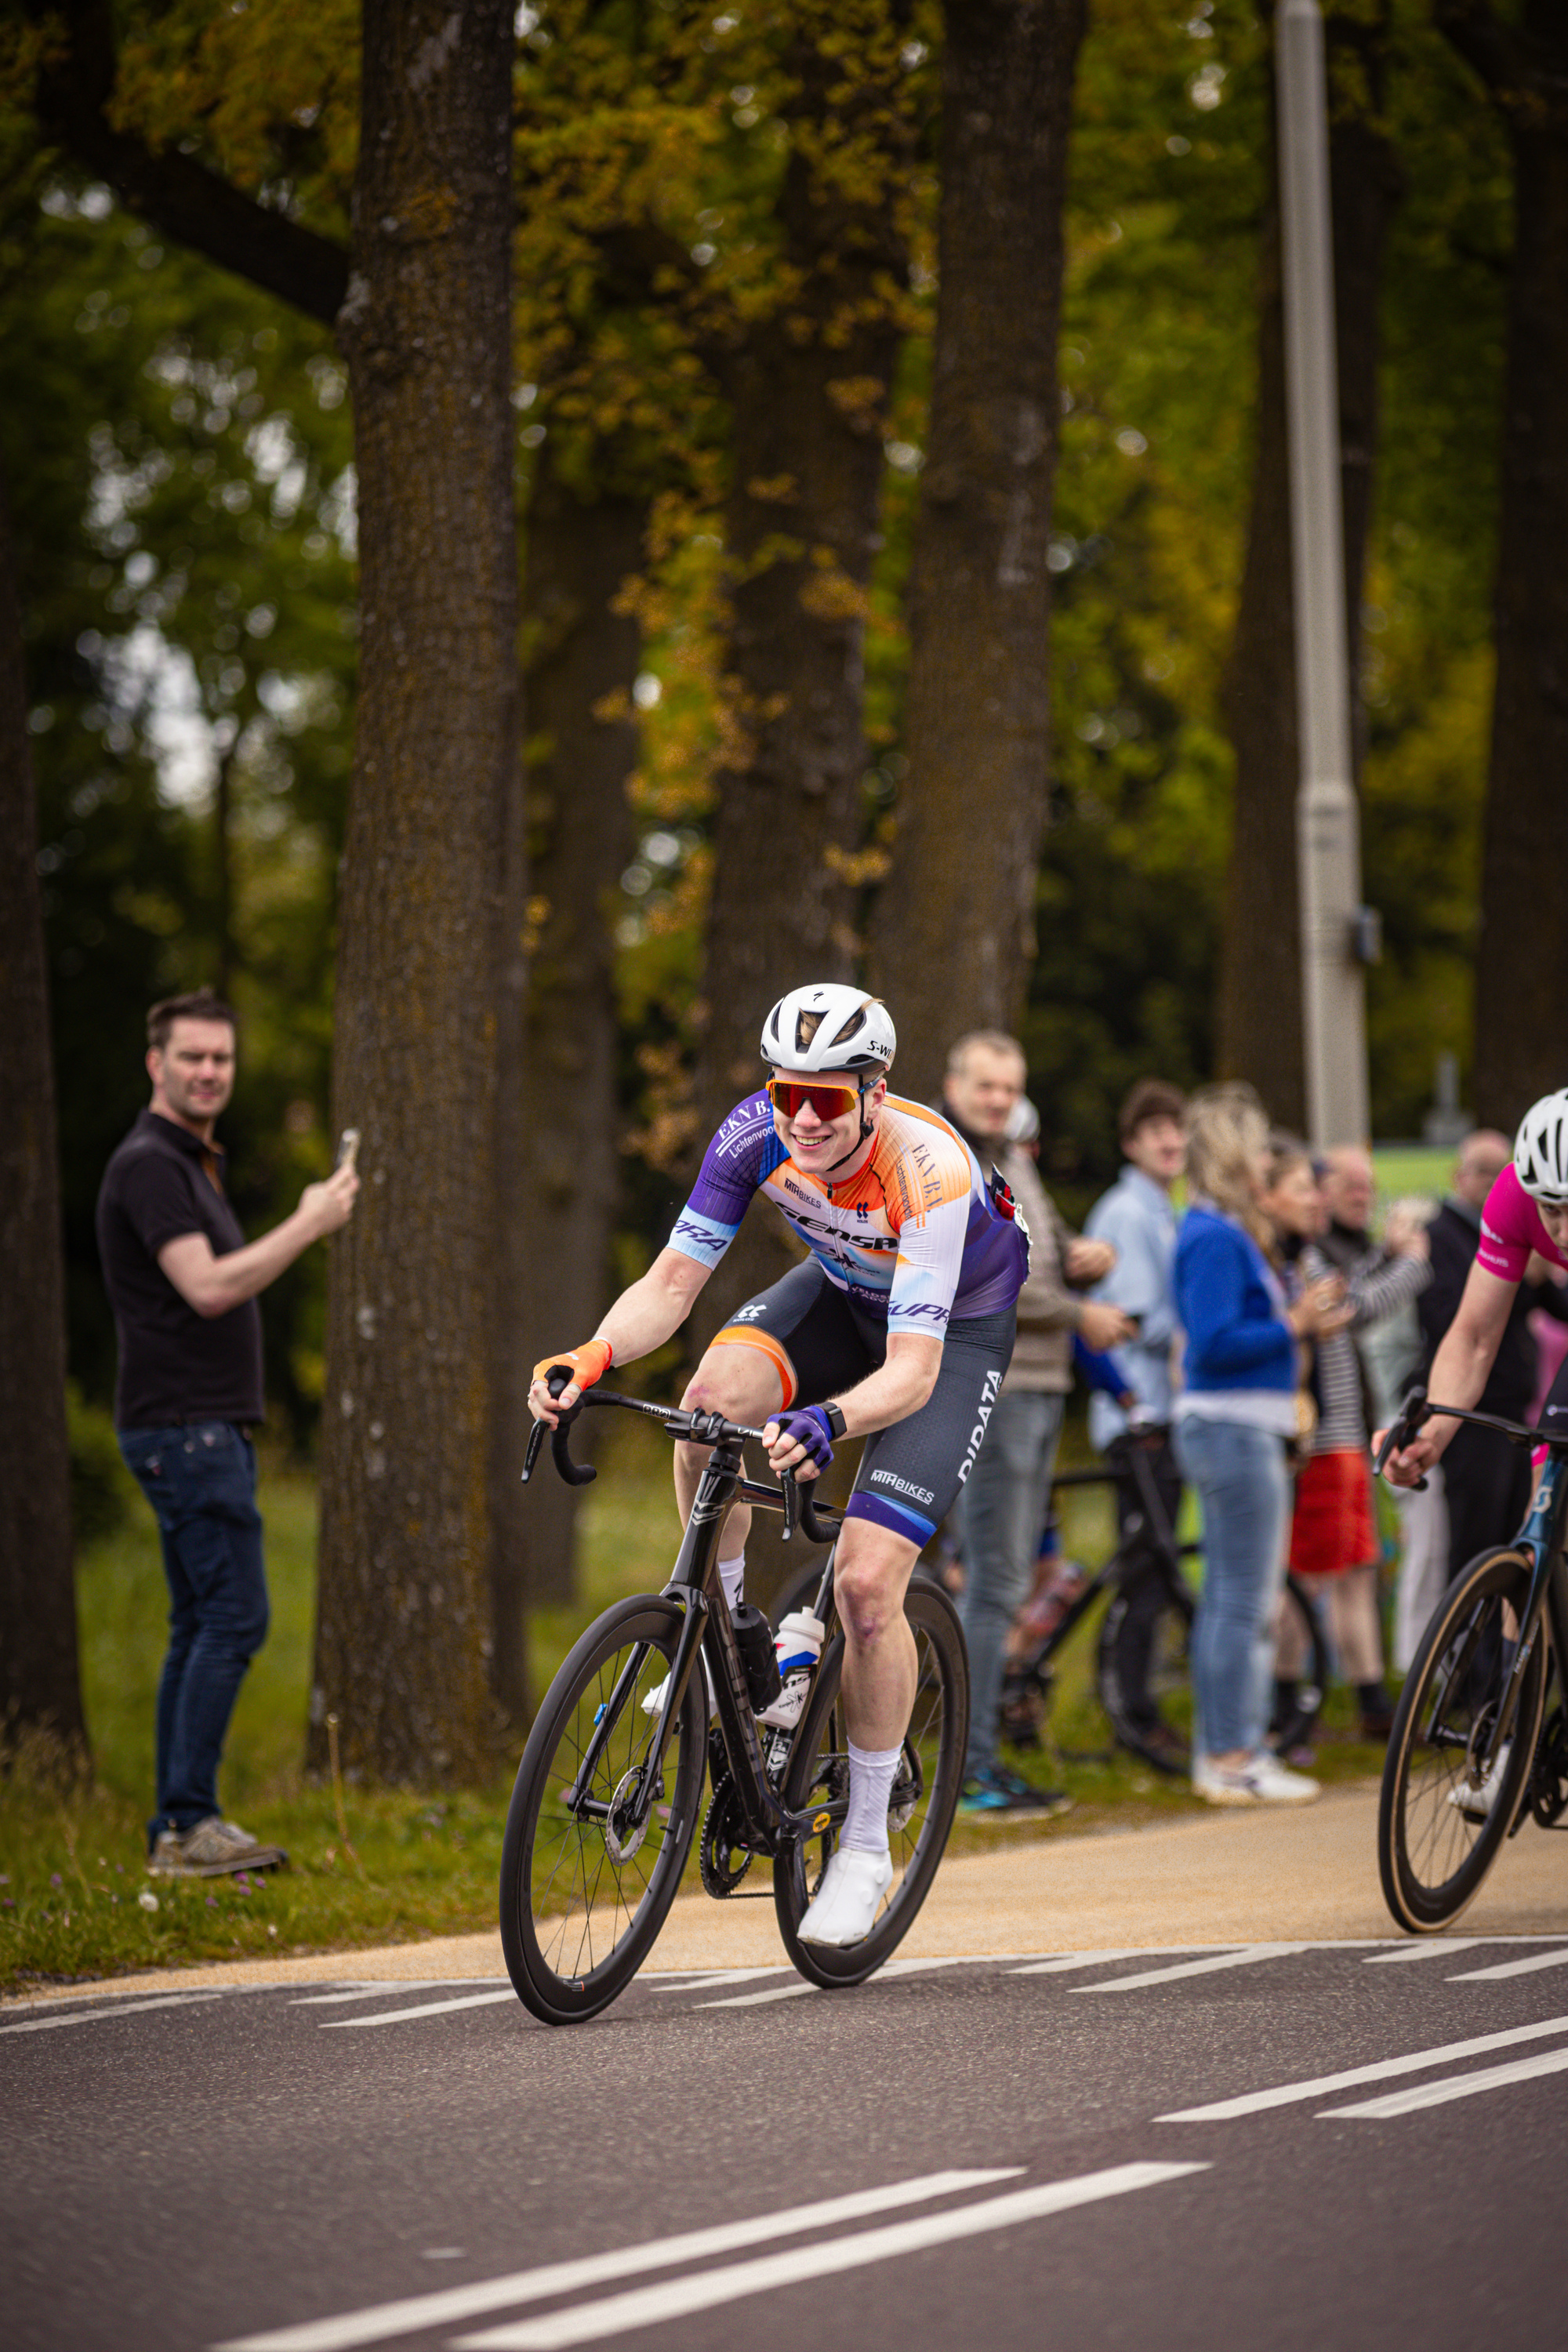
(583, 1889)
(1440, 1823)
(920, 1809)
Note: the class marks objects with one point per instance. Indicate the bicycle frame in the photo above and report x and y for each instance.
(1163, 1545)
(694, 1584)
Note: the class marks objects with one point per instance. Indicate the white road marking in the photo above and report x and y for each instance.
(447, 2305)
(1442, 1948)
(703, 1979)
(1244, 1958)
(1455, 2086)
(792, 1992)
(360, 1992)
(1253, 2103)
(1558, 1959)
(620, 2315)
(425, 2009)
(110, 2009)
(1065, 1960)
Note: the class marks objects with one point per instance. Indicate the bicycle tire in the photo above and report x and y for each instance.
(1296, 1714)
(1454, 1682)
(549, 1855)
(934, 1766)
(1163, 1676)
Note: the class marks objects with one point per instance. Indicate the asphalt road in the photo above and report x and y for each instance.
(1136, 2149)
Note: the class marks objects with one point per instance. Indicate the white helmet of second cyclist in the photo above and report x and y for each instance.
(829, 1026)
(1541, 1151)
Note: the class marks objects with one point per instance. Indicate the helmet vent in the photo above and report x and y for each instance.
(855, 1021)
(805, 1028)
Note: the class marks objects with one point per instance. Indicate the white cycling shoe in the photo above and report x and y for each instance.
(848, 1899)
(1476, 1804)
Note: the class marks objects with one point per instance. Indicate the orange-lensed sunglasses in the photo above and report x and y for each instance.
(829, 1102)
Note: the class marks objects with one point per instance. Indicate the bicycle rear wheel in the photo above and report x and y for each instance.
(924, 1796)
(579, 1906)
(1434, 1842)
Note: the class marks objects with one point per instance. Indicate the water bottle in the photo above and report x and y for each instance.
(1044, 1612)
(798, 1649)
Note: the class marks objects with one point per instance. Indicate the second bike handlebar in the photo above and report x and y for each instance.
(798, 1506)
(1418, 1409)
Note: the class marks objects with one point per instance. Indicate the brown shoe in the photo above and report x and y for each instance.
(211, 1849)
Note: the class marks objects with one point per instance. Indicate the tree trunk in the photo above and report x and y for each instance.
(1521, 977)
(954, 930)
(408, 1446)
(40, 1683)
(809, 388)
(1260, 1021)
(582, 660)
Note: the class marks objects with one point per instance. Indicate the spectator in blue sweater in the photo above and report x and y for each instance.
(1232, 1418)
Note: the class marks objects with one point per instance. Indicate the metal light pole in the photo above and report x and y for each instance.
(1327, 819)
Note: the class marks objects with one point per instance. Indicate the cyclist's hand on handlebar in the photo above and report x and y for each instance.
(1409, 1465)
(587, 1364)
(801, 1440)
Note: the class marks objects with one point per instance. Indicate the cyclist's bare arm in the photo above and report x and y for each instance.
(1459, 1370)
(896, 1389)
(647, 1314)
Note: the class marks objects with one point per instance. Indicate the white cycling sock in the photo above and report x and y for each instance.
(871, 1774)
(732, 1577)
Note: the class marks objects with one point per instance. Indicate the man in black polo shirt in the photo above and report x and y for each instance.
(183, 1281)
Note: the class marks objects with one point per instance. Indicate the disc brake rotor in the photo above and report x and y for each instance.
(623, 1832)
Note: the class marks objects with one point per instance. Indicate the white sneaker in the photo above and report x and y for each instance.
(1277, 1785)
(1222, 1784)
(1476, 1804)
(848, 1899)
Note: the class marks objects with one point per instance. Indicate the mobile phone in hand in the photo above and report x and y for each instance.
(348, 1148)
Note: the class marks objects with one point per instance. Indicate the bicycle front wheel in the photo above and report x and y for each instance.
(1440, 1822)
(584, 1890)
(920, 1810)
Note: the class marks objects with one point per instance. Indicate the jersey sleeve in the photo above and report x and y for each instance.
(1510, 1229)
(744, 1151)
(929, 1193)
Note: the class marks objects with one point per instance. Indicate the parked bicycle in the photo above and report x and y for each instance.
(1474, 1752)
(609, 1791)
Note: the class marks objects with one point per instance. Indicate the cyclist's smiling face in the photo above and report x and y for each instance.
(816, 1144)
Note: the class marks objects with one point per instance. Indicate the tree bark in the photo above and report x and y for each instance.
(1259, 1015)
(40, 1682)
(1521, 976)
(807, 387)
(954, 927)
(408, 1437)
(582, 660)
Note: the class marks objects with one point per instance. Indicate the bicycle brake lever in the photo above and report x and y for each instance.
(576, 1473)
(535, 1440)
(791, 1503)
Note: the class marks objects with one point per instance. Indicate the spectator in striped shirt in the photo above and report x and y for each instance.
(1334, 1548)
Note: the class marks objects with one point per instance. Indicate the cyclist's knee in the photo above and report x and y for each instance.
(869, 1584)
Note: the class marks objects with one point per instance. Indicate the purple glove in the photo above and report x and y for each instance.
(810, 1427)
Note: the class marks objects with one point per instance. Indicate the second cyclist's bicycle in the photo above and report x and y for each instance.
(609, 1794)
(1474, 1751)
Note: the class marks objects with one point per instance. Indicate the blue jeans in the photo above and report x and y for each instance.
(1245, 1489)
(201, 1482)
(1003, 1510)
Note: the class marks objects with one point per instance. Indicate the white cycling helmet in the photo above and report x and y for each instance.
(1541, 1151)
(831, 1026)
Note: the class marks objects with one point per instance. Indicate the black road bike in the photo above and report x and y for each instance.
(1474, 1752)
(609, 1793)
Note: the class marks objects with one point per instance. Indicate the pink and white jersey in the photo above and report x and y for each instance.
(1511, 1228)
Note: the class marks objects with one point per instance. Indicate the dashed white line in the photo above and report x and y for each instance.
(110, 2009)
(1284, 2094)
(1558, 1959)
(423, 2009)
(621, 2315)
(359, 1992)
(445, 2306)
(1442, 1948)
(1064, 1961)
(1454, 2087)
(1245, 1959)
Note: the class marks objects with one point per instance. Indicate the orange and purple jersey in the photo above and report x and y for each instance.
(915, 1237)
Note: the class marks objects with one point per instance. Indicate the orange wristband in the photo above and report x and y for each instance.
(589, 1363)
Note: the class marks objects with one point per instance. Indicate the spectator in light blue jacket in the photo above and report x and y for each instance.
(1234, 1416)
(1137, 1218)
